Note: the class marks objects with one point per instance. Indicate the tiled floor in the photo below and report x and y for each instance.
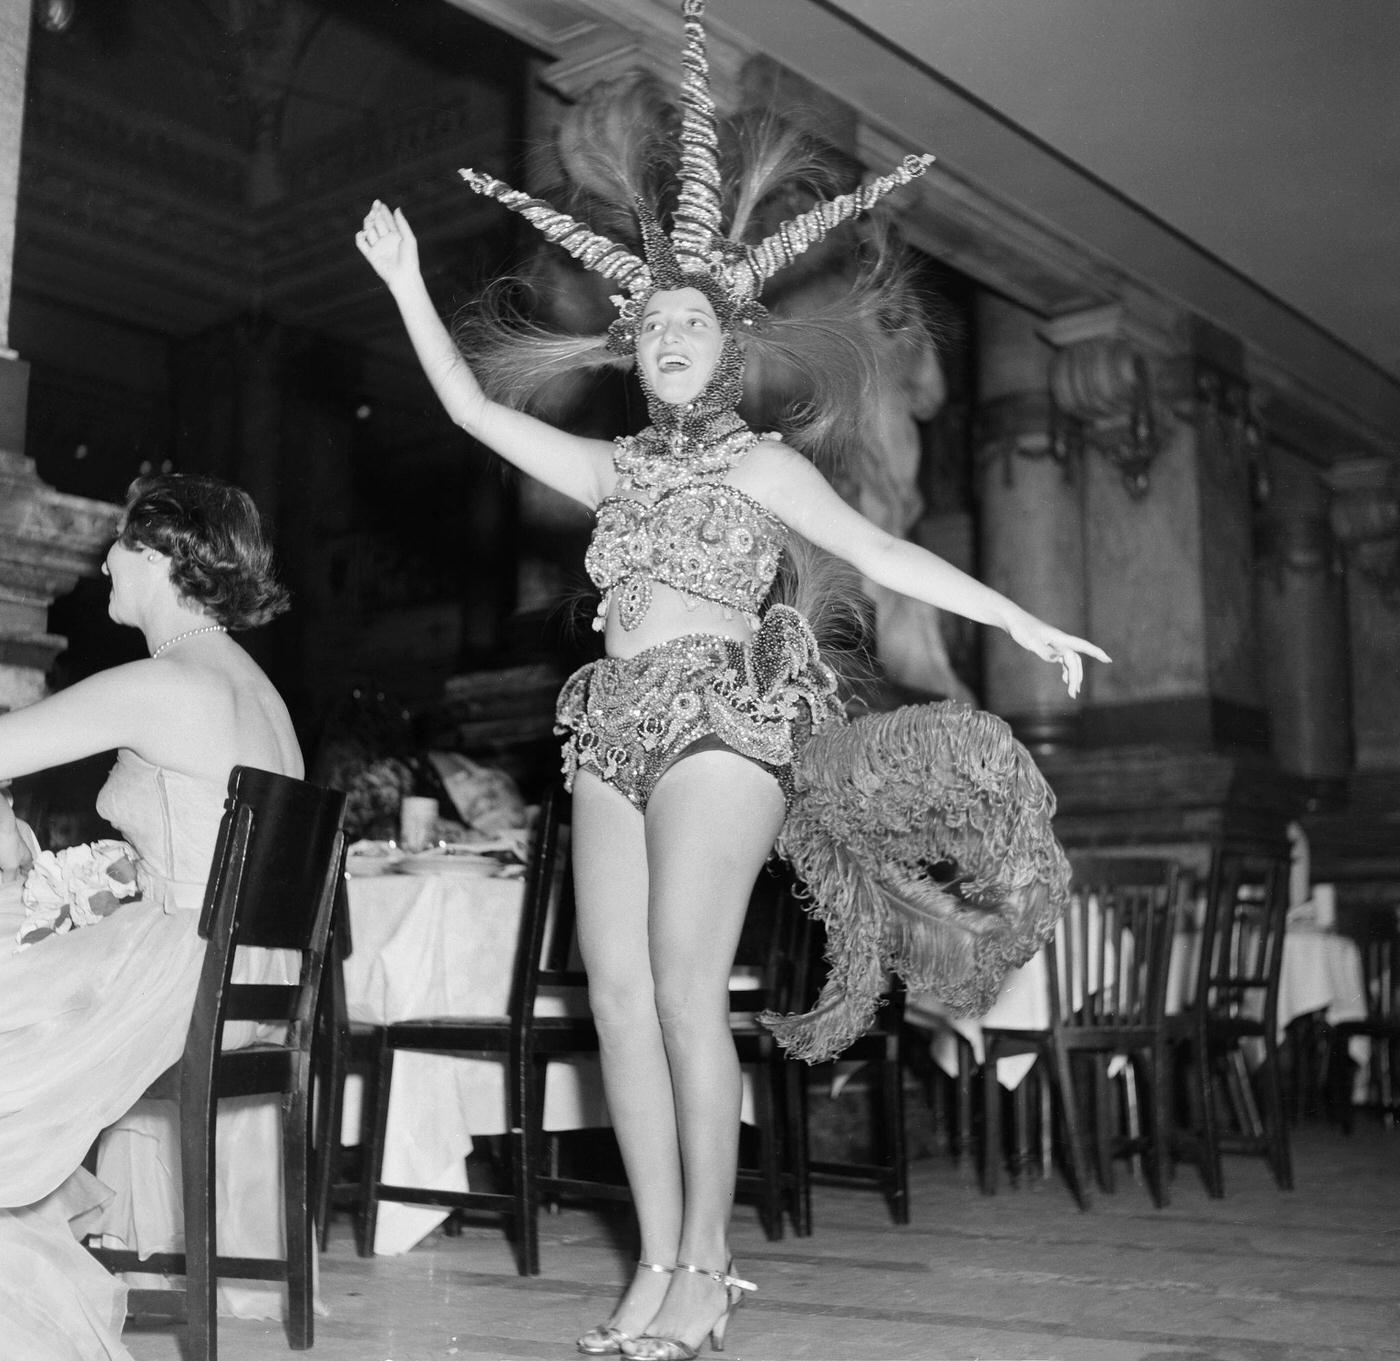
(1259, 1276)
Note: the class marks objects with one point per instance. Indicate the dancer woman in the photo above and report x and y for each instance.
(88, 1019)
(682, 739)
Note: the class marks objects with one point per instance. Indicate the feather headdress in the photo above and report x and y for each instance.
(699, 251)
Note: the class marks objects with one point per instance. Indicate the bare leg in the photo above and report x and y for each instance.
(611, 887)
(710, 825)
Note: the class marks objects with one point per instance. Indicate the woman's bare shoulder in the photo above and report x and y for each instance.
(768, 457)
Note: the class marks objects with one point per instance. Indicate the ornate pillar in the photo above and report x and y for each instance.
(1031, 520)
(47, 540)
(1365, 517)
(1154, 418)
(1157, 424)
(1300, 595)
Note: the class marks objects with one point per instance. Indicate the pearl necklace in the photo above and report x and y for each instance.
(188, 633)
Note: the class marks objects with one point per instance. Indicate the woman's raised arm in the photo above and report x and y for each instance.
(802, 498)
(579, 468)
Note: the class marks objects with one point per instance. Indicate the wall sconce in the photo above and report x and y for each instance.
(1101, 399)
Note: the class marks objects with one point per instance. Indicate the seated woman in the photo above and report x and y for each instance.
(90, 1017)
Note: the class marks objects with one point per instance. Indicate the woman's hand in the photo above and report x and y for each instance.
(1054, 646)
(388, 243)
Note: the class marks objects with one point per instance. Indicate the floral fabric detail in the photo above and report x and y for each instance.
(673, 520)
(629, 719)
(75, 887)
(709, 540)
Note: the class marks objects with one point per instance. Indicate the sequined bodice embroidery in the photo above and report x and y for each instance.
(675, 521)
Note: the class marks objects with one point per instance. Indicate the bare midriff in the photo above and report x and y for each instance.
(674, 614)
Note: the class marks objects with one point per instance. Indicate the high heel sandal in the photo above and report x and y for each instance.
(654, 1347)
(605, 1340)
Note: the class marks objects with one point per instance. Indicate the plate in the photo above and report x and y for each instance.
(512, 841)
(372, 857)
(448, 860)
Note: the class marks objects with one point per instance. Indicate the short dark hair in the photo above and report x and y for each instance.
(213, 535)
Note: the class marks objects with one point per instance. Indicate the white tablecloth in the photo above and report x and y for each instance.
(438, 945)
(1320, 972)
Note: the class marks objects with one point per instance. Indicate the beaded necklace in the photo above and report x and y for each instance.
(188, 633)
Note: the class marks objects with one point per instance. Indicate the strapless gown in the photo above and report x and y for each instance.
(87, 1021)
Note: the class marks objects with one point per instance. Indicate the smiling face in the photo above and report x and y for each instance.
(678, 344)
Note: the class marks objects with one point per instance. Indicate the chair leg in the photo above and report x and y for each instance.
(770, 1202)
(525, 1145)
(896, 1149)
(1211, 1168)
(1275, 1123)
(799, 1154)
(1158, 1155)
(991, 1119)
(1021, 1129)
(527, 1247)
(330, 1110)
(1075, 1153)
(964, 1096)
(297, 1212)
(1103, 1122)
(198, 1125)
(372, 1160)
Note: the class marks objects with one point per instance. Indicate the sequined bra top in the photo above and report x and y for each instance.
(686, 529)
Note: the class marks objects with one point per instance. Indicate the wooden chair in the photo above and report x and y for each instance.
(278, 862)
(521, 1039)
(1380, 963)
(1107, 971)
(342, 1047)
(880, 1051)
(1240, 953)
(773, 1168)
(774, 950)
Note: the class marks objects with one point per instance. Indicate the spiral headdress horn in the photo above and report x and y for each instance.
(696, 229)
(794, 237)
(697, 253)
(587, 247)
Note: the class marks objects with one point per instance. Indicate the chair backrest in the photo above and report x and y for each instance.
(278, 865)
(1380, 967)
(546, 955)
(1109, 956)
(773, 962)
(1242, 935)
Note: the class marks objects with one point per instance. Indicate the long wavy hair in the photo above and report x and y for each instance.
(811, 368)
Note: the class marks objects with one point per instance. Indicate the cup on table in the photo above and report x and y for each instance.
(1324, 898)
(417, 823)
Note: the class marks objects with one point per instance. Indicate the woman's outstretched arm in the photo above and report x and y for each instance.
(579, 468)
(797, 493)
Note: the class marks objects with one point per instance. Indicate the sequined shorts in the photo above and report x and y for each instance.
(630, 719)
